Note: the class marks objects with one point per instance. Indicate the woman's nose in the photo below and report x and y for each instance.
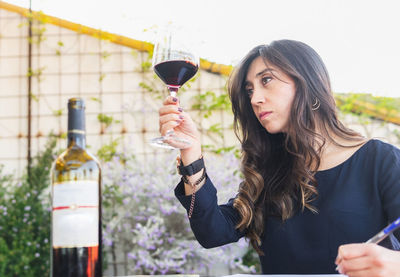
(257, 97)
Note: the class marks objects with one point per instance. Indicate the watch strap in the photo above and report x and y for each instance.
(192, 168)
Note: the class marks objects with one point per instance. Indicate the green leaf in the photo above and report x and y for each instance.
(58, 112)
(105, 55)
(95, 99)
(102, 76)
(146, 86)
(34, 97)
(106, 119)
(146, 65)
(108, 151)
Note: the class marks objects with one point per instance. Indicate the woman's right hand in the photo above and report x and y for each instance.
(173, 118)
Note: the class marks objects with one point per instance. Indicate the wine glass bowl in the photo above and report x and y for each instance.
(175, 64)
(174, 73)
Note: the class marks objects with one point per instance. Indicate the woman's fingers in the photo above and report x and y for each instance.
(169, 109)
(354, 250)
(366, 259)
(369, 272)
(169, 122)
(355, 264)
(171, 101)
(171, 106)
(170, 117)
(353, 257)
(173, 118)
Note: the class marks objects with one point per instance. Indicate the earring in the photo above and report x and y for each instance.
(316, 105)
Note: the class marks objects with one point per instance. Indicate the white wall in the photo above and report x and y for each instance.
(105, 74)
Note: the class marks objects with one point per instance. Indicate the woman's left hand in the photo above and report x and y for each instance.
(367, 260)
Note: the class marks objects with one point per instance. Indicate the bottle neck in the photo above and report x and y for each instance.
(75, 139)
(76, 126)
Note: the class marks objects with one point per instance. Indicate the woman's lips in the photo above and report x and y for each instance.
(264, 115)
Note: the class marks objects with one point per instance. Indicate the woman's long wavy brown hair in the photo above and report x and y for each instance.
(279, 168)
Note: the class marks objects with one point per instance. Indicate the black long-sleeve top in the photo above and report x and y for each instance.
(356, 199)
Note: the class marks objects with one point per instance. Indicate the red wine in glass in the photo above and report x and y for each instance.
(175, 65)
(176, 72)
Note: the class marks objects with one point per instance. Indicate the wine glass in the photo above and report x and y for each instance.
(175, 64)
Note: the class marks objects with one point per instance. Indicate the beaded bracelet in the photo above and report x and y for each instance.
(193, 185)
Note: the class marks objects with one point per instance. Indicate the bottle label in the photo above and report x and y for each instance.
(75, 214)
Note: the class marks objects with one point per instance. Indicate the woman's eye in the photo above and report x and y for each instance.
(249, 92)
(265, 80)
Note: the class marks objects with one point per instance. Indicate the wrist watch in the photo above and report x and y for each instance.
(190, 169)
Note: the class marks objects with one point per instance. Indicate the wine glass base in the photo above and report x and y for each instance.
(166, 141)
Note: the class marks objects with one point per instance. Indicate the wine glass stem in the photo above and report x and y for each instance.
(173, 90)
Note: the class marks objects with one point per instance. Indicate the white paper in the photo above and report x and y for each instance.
(285, 275)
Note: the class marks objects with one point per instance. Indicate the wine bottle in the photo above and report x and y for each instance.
(76, 204)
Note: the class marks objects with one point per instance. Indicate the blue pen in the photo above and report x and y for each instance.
(385, 232)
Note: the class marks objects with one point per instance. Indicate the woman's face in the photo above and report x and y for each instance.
(271, 92)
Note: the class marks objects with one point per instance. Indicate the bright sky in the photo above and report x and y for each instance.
(359, 40)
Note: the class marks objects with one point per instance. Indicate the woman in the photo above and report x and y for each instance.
(311, 186)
